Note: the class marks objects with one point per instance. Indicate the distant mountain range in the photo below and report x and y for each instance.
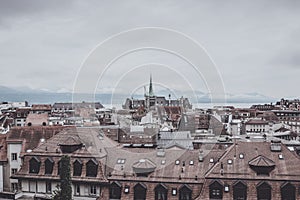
(46, 96)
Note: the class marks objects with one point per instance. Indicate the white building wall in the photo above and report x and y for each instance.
(14, 148)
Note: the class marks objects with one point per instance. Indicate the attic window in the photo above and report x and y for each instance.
(229, 161)
(177, 162)
(191, 162)
(121, 161)
(211, 160)
(241, 156)
(280, 156)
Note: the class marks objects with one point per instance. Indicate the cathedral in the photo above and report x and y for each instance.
(151, 100)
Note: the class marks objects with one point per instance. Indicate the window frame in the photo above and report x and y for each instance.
(14, 156)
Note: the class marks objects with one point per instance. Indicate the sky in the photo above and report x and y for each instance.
(254, 45)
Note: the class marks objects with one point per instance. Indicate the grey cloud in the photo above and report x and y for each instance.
(250, 41)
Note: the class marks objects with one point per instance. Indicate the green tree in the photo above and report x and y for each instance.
(65, 178)
(64, 191)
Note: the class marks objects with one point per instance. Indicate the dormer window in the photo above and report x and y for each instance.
(161, 192)
(185, 192)
(140, 191)
(77, 168)
(239, 190)
(70, 145)
(34, 165)
(91, 168)
(216, 190)
(263, 190)
(262, 165)
(143, 167)
(49, 163)
(115, 190)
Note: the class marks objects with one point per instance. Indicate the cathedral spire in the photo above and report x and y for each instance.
(151, 93)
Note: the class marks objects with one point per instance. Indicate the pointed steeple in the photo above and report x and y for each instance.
(151, 93)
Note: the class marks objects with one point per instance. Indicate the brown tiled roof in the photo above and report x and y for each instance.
(260, 153)
(261, 161)
(166, 170)
(71, 141)
(31, 136)
(93, 149)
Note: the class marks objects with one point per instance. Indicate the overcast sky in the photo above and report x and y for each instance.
(254, 44)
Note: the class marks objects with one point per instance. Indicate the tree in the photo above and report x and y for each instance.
(65, 178)
(64, 191)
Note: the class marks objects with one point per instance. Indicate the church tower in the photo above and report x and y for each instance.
(151, 93)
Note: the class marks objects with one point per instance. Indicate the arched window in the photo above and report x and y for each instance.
(215, 190)
(49, 166)
(185, 193)
(44, 123)
(239, 191)
(34, 165)
(263, 191)
(161, 192)
(288, 191)
(77, 168)
(140, 191)
(115, 191)
(91, 168)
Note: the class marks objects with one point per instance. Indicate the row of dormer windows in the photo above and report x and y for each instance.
(91, 167)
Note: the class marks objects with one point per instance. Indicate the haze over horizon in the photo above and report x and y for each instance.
(253, 44)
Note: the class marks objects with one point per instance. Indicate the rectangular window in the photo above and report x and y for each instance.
(93, 189)
(48, 187)
(14, 170)
(77, 189)
(32, 186)
(14, 156)
(14, 187)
